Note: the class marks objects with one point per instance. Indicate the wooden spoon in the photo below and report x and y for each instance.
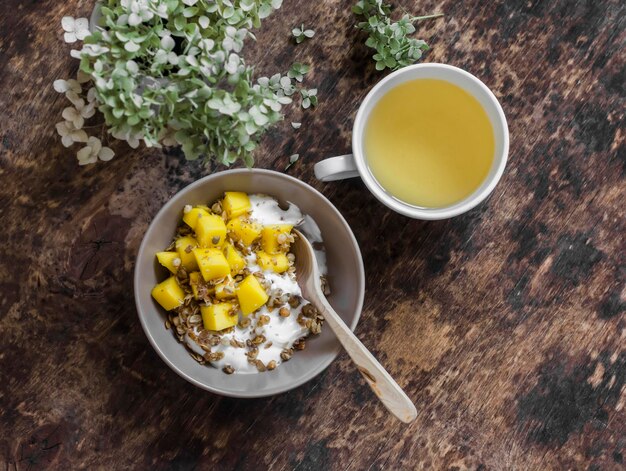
(383, 385)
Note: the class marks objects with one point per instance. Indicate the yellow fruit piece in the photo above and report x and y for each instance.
(212, 263)
(225, 289)
(167, 260)
(210, 231)
(191, 218)
(246, 232)
(168, 294)
(218, 316)
(234, 258)
(194, 278)
(275, 262)
(184, 247)
(251, 295)
(236, 203)
(272, 237)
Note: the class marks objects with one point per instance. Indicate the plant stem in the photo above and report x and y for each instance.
(426, 17)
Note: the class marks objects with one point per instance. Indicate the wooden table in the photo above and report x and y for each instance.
(506, 325)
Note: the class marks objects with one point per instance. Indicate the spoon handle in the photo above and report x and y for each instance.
(381, 382)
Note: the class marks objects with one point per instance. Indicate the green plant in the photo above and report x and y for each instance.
(301, 33)
(170, 72)
(393, 48)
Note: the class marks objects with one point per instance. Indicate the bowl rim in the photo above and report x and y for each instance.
(311, 373)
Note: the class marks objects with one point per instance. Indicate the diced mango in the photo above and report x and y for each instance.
(218, 316)
(212, 263)
(251, 295)
(167, 260)
(210, 231)
(191, 217)
(236, 203)
(275, 236)
(246, 232)
(194, 278)
(225, 289)
(275, 262)
(184, 247)
(168, 294)
(234, 258)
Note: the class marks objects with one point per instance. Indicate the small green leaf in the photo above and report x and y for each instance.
(393, 48)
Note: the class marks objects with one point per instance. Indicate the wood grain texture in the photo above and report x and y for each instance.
(505, 326)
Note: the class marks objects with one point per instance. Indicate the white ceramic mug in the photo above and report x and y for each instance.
(355, 165)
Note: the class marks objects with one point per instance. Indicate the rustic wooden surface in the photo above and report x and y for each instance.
(506, 325)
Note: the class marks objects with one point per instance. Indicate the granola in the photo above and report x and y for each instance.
(232, 296)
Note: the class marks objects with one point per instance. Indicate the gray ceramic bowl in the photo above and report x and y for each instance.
(345, 275)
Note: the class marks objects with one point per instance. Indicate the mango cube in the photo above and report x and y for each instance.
(210, 231)
(218, 316)
(272, 237)
(234, 258)
(275, 262)
(168, 294)
(251, 295)
(184, 247)
(225, 289)
(246, 232)
(191, 217)
(194, 278)
(212, 263)
(236, 203)
(167, 260)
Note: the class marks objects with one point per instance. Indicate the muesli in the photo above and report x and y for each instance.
(232, 296)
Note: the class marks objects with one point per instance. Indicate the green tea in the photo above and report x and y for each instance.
(429, 143)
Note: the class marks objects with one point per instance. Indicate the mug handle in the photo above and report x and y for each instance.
(336, 168)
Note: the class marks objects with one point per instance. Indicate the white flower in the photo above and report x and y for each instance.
(257, 115)
(78, 113)
(204, 22)
(139, 11)
(228, 43)
(91, 95)
(75, 29)
(166, 54)
(206, 45)
(69, 134)
(167, 42)
(190, 3)
(94, 151)
(125, 135)
(232, 65)
(131, 46)
(132, 67)
(233, 41)
(93, 50)
(191, 60)
(161, 10)
(64, 86)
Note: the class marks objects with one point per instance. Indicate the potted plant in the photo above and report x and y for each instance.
(171, 73)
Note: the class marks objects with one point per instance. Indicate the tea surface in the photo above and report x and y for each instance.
(429, 143)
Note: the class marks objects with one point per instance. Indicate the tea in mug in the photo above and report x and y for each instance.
(429, 143)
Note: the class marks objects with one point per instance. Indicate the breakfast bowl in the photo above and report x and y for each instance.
(345, 277)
